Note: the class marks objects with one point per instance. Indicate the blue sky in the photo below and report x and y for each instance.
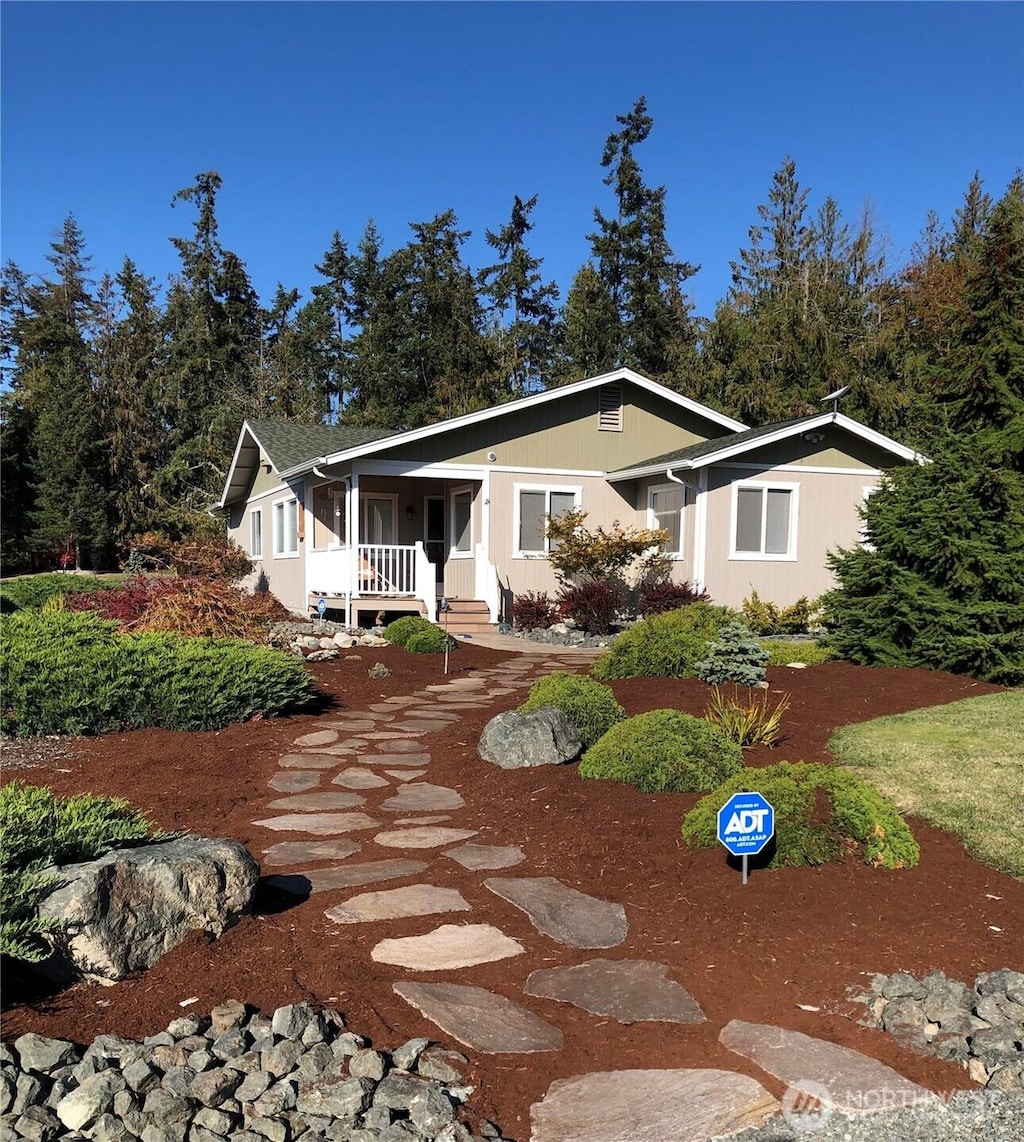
(321, 115)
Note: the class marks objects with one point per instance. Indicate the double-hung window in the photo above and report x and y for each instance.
(665, 504)
(286, 528)
(461, 523)
(534, 506)
(764, 521)
(256, 533)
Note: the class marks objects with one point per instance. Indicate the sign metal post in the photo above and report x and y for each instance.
(746, 823)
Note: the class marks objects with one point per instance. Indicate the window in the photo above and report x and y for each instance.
(462, 522)
(286, 528)
(533, 507)
(256, 533)
(862, 534)
(609, 408)
(328, 515)
(764, 521)
(665, 504)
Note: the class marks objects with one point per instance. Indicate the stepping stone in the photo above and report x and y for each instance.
(456, 684)
(391, 735)
(353, 725)
(449, 947)
(431, 820)
(853, 1081)
(299, 852)
(297, 781)
(307, 761)
(486, 856)
(419, 727)
(349, 745)
(318, 737)
(422, 797)
(390, 703)
(627, 1106)
(406, 774)
(413, 759)
(422, 837)
(318, 802)
(319, 824)
(348, 876)
(480, 1019)
(427, 714)
(401, 746)
(355, 778)
(397, 903)
(568, 916)
(630, 991)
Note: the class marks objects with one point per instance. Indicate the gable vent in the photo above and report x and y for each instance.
(609, 408)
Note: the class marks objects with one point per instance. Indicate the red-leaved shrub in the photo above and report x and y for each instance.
(592, 606)
(125, 605)
(532, 610)
(657, 598)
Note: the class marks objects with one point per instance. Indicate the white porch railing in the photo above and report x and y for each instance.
(385, 569)
(374, 569)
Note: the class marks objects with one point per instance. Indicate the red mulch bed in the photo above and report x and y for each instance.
(795, 936)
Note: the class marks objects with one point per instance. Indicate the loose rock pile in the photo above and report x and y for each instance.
(235, 1074)
(321, 641)
(983, 1028)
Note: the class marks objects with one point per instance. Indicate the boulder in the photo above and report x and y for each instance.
(122, 912)
(517, 740)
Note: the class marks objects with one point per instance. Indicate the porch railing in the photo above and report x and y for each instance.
(385, 569)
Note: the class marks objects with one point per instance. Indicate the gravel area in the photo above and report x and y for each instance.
(30, 753)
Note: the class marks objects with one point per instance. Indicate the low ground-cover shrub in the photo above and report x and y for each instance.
(663, 751)
(34, 590)
(401, 630)
(664, 595)
(663, 646)
(746, 716)
(734, 656)
(589, 705)
(66, 673)
(821, 813)
(38, 829)
(766, 618)
(430, 640)
(533, 610)
(592, 606)
(782, 653)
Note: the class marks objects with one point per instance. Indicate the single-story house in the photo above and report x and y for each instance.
(372, 520)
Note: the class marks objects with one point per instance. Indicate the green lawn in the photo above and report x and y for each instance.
(959, 767)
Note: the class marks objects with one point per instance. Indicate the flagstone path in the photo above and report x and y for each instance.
(373, 760)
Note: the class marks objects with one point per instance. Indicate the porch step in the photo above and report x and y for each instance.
(467, 616)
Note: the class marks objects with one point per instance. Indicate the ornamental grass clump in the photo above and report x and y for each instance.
(822, 813)
(663, 751)
(663, 646)
(746, 717)
(589, 705)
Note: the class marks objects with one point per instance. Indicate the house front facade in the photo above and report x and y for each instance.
(373, 521)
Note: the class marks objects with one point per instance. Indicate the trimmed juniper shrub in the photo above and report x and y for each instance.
(592, 606)
(782, 653)
(589, 705)
(34, 590)
(763, 617)
(663, 751)
(429, 640)
(401, 630)
(820, 811)
(663, 646)
(735, 656)
(533, 610)
(664, 595)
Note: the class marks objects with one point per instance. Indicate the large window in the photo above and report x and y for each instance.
(286, 528)
(764, 521)
(328, 515)
(462, 522)
(533, 507)
(256, 533)
(665, 504)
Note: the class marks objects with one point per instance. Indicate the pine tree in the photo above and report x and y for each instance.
(589, 333)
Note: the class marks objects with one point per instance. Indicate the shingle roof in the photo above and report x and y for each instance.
(288, 444)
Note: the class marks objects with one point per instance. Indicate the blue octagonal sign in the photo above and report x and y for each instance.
(746, 823)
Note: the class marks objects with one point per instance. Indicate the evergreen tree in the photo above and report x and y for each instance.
(589, 335)
(296, 357)
(335, 299)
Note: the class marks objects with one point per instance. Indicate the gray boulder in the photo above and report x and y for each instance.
(516, 740)
(123, 911)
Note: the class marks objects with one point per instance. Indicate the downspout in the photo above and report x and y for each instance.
(697, 539)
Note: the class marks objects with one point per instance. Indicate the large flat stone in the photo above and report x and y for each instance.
(319, 824)
(307, 761)
(317, 737)
(422, 837)
(480, 1019)
(356, 778)
(650, 1106)
(478, 857)
(456, 684)
(400, 745)
(396, 903)
(406, 774)
(432, 819)
(423, 798)
(346, 876)
(414, 760)
(854, 1081)
(449, 947)
(630, 991)
(418, 726)
(353, 725)
(299, 852)
(568, 916)
(295, 781)
(322, 802)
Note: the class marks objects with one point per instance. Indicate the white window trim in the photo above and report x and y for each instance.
(794, 514)
(255, 550)
(862, 534)
(278, 536)
(461, 490)
(338, 497)
(652, 519)
(577, 492)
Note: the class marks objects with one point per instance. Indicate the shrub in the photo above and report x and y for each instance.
(401, 630)
(204, 608)
(746, 719)
(124, 605)
(821, 811)
(663, 646)
(783, 653)
(430, 640)
(589, 705)
(664, 751)
(664, 595)
(66, 673)
(39, 829)
(205, 553)
(602, 555)
(592, 606)
(533, 610)
(735, 656)
(766, 618)
(34, 590)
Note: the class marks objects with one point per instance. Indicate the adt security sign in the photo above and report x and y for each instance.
(746, 823)
(322, 607)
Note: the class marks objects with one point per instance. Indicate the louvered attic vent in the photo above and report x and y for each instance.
(609, 408)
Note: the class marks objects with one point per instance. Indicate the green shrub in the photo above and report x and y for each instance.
(763, 617)
(32, 591)
(589, 705)
(66, 673)
(783, 653)
(38, 829)
(820, 811)
(735, 656)
(745, 718)
(663, 646)
(401, 630)
(664, 751)
(429, 640)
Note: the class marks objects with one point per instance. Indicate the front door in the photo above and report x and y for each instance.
(377, 520)
(433, 536)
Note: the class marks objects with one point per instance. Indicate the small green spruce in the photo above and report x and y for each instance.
(735, 656)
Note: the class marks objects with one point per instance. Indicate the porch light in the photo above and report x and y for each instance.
(410, 512)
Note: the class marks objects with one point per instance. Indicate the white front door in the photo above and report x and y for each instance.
(377, 519)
